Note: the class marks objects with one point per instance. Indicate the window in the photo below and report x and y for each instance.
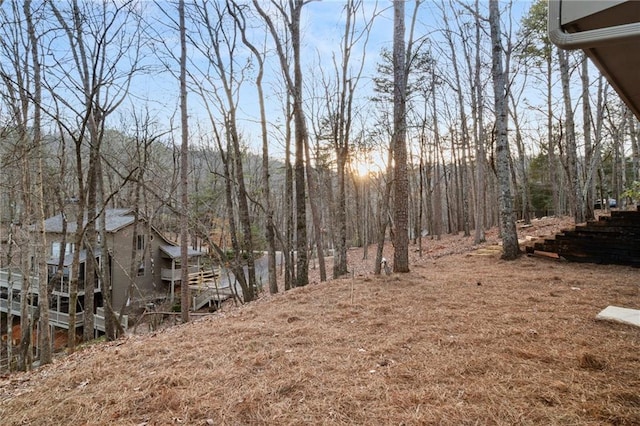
(56, 248)
(141, 269)
(140, 242)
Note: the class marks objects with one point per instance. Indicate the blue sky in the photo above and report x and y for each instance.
(322, 30)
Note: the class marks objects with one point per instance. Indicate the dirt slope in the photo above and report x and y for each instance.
(465, 338)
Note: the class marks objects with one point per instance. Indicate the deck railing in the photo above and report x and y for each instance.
(16, 281)
(168, 274)
(56, 318)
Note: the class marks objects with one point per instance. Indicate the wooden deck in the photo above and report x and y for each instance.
(205, 289)
(57, 318)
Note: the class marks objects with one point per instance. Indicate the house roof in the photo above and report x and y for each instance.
(173, 252)
(115, 219)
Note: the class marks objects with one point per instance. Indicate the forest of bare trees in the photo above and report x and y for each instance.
(246, 128)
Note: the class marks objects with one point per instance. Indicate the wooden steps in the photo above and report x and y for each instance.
(611, 239)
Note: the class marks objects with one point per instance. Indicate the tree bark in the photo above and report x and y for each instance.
(184, 163)
(588, 193)
(510, 249)
(270, 233)
(44, 337)
(400, 179)
(575, 194)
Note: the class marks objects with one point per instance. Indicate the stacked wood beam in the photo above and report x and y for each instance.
(613, 239)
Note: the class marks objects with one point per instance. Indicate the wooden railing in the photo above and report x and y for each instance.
(201, 278)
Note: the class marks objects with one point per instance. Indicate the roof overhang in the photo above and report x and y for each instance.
(609, 33)
(173, 252)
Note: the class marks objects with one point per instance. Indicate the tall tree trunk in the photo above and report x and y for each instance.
(553, 174)
(301, 135)
(315, 213)
(25, 358)
(44, 338)
(400, 180)
(436, 199)
(290, 262)
(575, 195)
(463, 189)
(384, 213)
(524, 177)
(90, 245)
(632, 122)
(340, 239)
(588, 144)
(270, 233)
(510, 249)
(245, 218)
(184, 163)
(478, 102)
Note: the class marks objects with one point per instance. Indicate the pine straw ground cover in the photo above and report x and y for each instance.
(462, 339)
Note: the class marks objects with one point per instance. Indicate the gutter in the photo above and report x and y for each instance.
(587, 39)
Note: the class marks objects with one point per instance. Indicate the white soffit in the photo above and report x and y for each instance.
(609, 33)
(573, 10)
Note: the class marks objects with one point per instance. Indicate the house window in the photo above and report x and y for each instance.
(141, 269)
(140, 242)
(56, 248)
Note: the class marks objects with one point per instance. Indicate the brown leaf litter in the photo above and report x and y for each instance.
(461, 339)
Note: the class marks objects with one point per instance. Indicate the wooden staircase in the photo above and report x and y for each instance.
(611, 239)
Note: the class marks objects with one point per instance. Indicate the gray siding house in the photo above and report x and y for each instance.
(140, 271)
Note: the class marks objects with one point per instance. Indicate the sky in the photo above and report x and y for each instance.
(322, 29)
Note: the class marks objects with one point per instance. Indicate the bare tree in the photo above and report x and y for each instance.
(510, 249)
(184, 164)
(477, 97)
(464, 128)
(270, 230)
(337, 121)
(16, 78)
(588, 192)
(217, 41)
(97, 69)
(294, 86)
(571, 155)
(44, 337)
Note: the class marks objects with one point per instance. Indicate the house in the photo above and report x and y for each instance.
(141, 271)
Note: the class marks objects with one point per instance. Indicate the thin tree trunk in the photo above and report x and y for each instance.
(315, 214)
(384, 214)
(44, 338)
(478, 102)
(266, 190)
(575, 195)
(588, 144)
(184, 163)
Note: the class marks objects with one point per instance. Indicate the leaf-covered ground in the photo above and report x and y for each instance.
(464, 338)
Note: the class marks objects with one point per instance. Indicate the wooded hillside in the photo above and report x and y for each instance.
(305, 128)
(463, 338)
